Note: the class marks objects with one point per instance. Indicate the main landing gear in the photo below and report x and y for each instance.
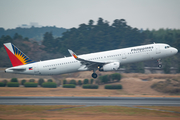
(94, 75)
(159, 63)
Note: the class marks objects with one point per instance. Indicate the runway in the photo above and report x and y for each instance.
(114, 101)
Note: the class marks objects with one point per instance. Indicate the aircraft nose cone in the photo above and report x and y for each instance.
(175, 50)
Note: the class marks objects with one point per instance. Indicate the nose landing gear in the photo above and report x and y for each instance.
(159, 63)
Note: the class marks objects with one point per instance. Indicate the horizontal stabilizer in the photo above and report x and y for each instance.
(15, 69)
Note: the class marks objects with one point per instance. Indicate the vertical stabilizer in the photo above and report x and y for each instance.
(16, 56)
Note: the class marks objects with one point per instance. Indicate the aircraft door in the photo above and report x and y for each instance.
(158, 49)
(36, 70)
(123, 55)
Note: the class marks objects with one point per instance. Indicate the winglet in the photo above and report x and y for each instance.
(72, 53)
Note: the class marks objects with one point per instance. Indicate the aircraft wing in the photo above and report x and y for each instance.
(88, 64)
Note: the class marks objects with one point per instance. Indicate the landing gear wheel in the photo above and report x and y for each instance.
(94, 75)
(160, 65)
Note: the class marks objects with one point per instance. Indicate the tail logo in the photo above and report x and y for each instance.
(16, 56)
(21, 56)
(74, 55)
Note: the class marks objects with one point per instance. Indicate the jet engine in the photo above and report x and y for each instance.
(110, 67)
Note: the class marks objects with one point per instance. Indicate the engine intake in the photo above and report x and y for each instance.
(110, 67)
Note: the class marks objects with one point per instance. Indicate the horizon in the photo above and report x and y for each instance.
(139, 14)
(41, 26)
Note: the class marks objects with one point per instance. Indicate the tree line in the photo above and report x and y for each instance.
(35, 33)
(89, 38)
(103, 36)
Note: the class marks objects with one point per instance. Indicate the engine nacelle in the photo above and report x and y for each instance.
(110, 67)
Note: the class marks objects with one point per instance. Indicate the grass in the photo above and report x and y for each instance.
(69, 111)
(168, 108)
(121, 111)
(151, 76)
(171, 86)
(78, 91)
(32, 108)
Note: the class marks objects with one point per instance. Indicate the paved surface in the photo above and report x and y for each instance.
(120, 101)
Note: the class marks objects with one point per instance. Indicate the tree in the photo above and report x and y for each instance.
(177, 42)
(14, 80)
(178, 68)
(100, 21)
(31, 80)
(92, 80)
(73, 82)
(166, 65)
(50, 42)
(86, 81)
(91, 22)
(140, 67)
(135, 67)
(116, 76)
(23, 81)
(5, 39)
(64, 81)
(50, 80)
(79, 82)
(120, 24)
(5, 82)
(17, 36)
(104, 79)
(40, 81)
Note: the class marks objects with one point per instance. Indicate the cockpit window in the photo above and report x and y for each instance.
(167, 47)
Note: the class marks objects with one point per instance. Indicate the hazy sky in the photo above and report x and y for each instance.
(152, 14)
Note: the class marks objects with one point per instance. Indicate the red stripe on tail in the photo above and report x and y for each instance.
(14, 60)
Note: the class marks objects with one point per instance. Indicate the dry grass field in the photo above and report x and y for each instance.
(134, 84)
(69, 112)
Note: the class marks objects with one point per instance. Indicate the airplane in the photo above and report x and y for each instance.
(102, 61)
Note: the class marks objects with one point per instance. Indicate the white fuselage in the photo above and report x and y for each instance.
(123, 56)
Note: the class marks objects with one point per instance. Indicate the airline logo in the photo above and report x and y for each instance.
(16, 56)
(30, 68)
(74, 55)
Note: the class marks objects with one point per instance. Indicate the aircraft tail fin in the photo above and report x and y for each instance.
(16, 56)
